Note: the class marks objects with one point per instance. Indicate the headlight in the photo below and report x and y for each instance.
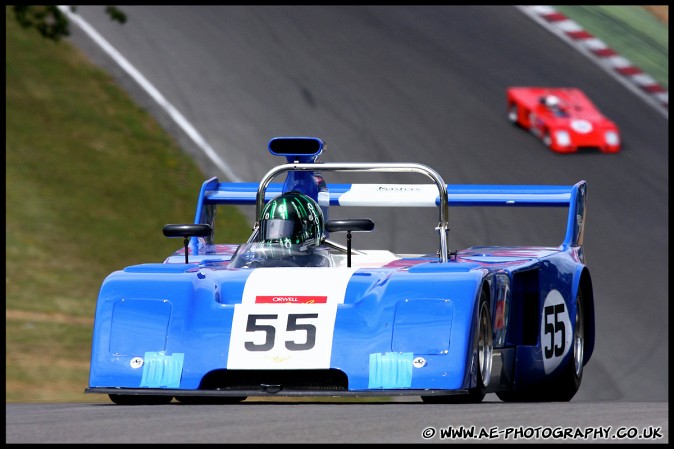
(612, 138)
(562, 138)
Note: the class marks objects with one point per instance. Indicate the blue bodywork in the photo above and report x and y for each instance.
(392, 325)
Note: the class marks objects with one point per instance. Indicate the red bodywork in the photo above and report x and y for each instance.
(575, 124)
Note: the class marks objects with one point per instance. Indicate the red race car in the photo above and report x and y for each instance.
(563, 118)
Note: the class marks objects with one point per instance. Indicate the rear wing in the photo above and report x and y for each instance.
(438, 195)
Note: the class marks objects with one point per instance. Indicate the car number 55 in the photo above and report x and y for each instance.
(281, 336)
(270, 331)
(556, 331)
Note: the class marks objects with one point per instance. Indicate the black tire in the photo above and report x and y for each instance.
(483, 348)
(137, 399)
(201, 400)
(547, 138)
(514, 115)
(564, 386)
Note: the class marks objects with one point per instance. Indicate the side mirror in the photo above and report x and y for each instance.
(349, 225)
(186, 231)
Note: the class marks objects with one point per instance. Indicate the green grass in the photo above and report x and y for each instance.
(90, 180)
(632, 31)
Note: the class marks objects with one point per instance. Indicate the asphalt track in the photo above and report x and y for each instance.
(403, 84)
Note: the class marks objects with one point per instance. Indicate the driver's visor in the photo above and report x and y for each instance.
(275, 228)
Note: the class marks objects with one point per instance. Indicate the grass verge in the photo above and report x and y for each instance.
(637, 33)
(90, 180)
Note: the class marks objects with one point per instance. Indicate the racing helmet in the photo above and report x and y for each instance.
(292, 219)
(552, 101)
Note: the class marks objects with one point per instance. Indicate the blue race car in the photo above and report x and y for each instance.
(217, 323)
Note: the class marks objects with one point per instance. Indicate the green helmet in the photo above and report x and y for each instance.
(292, 219)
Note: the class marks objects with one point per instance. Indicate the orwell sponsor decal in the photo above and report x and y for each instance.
(286, 299)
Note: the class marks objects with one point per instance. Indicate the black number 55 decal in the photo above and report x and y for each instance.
(552, 328)
(253, 325)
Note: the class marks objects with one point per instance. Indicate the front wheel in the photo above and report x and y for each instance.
(547, 138)
(483, 349)
(564, 386)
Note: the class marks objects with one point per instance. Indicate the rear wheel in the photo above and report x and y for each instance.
(138, 399)
(483, 350)
(513, 114)
(564, 386)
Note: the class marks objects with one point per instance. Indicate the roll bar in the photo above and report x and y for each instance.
(443, 225)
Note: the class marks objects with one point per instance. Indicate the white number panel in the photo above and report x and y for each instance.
(287, 318)
(556, 331)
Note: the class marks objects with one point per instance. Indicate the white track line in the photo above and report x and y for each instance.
(617, 66)
(153, 92)
(631, 77)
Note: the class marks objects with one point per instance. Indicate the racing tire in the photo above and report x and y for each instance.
(564, 386)
(514, 114)
(547, 138)
(483, 350)
(203, 400)
(138, 399)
